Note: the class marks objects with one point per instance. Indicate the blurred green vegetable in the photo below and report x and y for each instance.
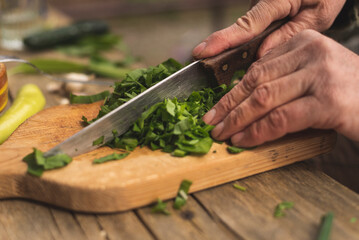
(54, 66)
(89, 98)
(48, 65)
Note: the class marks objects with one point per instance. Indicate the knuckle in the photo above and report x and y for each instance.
(245, 22)
(228, 102)
(236, 117)
(217, 36)
(278, 120)
(324, 21)
(256, 132)
(253, 76)
(261, 96)
(321, 44)
(308, 34)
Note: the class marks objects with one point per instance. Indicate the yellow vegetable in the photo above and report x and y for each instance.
(28, 101)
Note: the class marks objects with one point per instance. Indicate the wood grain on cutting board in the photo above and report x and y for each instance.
(143, 176)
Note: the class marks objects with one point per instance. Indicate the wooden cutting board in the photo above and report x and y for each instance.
(140, 178)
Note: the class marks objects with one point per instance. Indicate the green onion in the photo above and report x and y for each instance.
(181, 198)
(243, 189)
(37, 163)
(326, 225)
(111, 157)
(160, 208)
(98, 141)
(90, 98)
(279, 210)
(234, 150)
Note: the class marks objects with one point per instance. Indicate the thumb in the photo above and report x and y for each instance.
(244, 29)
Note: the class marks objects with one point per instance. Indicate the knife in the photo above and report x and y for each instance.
(195, 76)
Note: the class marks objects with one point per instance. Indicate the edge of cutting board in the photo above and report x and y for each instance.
(142, 177)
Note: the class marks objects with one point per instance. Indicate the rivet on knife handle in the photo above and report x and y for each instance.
(227, 63)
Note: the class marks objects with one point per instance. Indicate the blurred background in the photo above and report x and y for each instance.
(153, 30)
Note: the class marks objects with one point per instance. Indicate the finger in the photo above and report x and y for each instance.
(302, 21)
(247, 27)
(264, 99)
(292, 117)
(259, 73)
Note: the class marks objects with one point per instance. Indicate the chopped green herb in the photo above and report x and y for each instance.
(353, 220)
(89, 99)
(238, 75)
(98, 141)
(37, 163)
(178, 153)
(181, 198)
(326, 225)
(243, 189)
(279, 210)
(160, 208)
(214, 151)
(234, 150)
(114, 156)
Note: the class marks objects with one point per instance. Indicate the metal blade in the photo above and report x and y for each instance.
(180, 84)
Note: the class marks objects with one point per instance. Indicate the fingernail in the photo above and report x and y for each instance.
(217, 130)
(237, 138)
(200, 47)
(208, 117)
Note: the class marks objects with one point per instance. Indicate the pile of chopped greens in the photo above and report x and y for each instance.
(174, 125)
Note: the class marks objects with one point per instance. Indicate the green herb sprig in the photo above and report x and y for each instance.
(160, 207)
(326, 226)
(37, 163)
(239, 187)
(279, 210)
(111, 157)
(182, 196)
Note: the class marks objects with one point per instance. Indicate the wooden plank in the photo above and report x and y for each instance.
(67, 225)
(90, 226)
(26, 220)
(342, 163)
(21, 219)
(123, 226)
(191, 222)
(143, 176)
(250, 213)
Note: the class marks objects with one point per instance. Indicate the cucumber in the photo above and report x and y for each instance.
(55, 37)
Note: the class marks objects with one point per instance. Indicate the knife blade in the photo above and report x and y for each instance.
(181, 84)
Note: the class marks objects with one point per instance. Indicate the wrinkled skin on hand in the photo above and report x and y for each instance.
(304, 14)
(310, 81)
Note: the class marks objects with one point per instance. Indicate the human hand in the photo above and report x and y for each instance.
(304, 14)
(310, 81)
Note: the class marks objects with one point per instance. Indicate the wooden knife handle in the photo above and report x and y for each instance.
(224, 65)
